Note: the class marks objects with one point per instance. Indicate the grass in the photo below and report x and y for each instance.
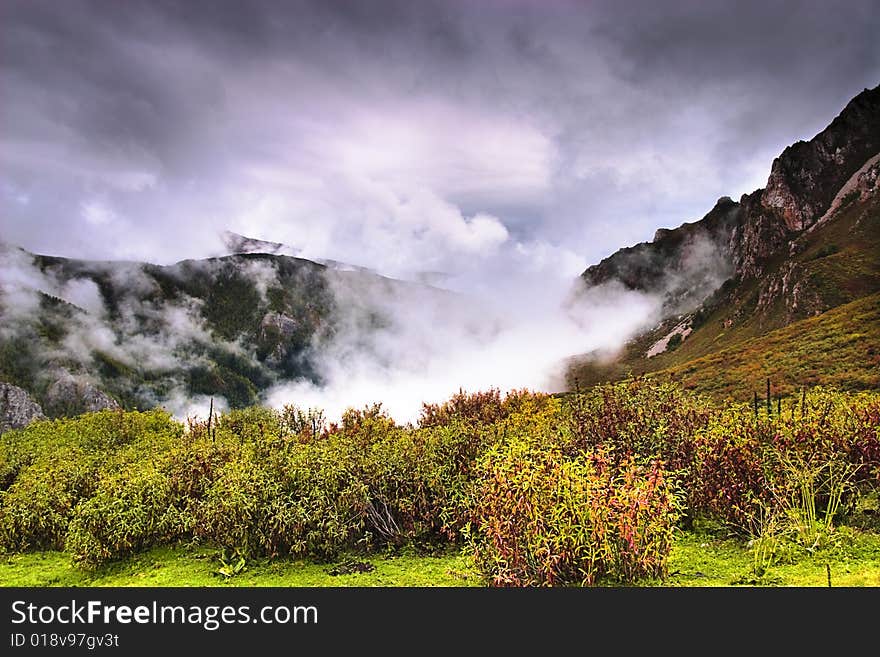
(706, 559)
(839, 348)
(197, 566)
(699, 558)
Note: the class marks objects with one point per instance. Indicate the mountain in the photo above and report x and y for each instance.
(240, 244)
(806, 243)
(236, 243)
(784, 283)
(81, 335)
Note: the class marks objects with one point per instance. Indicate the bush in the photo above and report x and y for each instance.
(544, 490)
(129, 511)
(483, 408)
(645, 421)
(51, 467)
(400, 503)
(730, 483)
(543, 518)
(147, 498)
(746, 465)
(452, 446)
(304, 500)
(36, 509)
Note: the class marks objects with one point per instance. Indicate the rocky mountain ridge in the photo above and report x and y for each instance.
(803, 244)
(804, 181)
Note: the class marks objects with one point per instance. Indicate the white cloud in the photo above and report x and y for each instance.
(97, 213)
(83, 293)
(435, 345)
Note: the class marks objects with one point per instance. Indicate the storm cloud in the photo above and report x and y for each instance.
(465, 137)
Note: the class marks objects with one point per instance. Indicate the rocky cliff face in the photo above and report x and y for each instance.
(806, 176)
(755, 238)
(683, 265)
(17, 408)
(751, 240)
(71, 396)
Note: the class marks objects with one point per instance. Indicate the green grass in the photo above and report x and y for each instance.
(197, 566)
(703, 559)
(839, 348)
(698, 558)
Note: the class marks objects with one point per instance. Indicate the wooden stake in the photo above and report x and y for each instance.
(210, 417)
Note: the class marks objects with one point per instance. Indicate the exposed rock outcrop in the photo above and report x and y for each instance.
(276, 333)
(806, 176)
(236, 243)
(17, 408)
(756, 237)
(72, 395)
(684, 264)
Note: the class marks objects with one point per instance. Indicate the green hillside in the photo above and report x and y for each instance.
(839, 348)
(774, 325)
(143, 334)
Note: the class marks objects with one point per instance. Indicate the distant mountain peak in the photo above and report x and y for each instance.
(237, 244)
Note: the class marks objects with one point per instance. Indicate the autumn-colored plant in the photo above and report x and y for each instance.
(482, 408)
(574, 489)
(543, 518)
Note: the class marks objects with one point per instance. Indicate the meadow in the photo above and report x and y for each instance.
(638, 483)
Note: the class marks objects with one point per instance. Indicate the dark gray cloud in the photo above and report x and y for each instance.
(468, 136)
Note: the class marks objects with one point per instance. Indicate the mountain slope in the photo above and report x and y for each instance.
(807, 243)
(79, 335)
(839, 348)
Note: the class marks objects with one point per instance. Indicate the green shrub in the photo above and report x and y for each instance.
(480, 407)
(300, 501)
(454, 445)
(192, 465)
(544, 518)
(131, 510)
(146, 496)
(36, 509)
(544, 490)
(53, 466)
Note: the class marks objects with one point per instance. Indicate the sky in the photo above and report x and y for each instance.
(484, 139)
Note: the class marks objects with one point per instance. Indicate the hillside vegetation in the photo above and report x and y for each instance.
(588, 489)
(729, 358)
(139, 335)
(839, 348)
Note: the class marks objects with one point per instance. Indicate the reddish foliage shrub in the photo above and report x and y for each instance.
(543, 518)
(744, 463)
(480, 407)
(645, 421)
